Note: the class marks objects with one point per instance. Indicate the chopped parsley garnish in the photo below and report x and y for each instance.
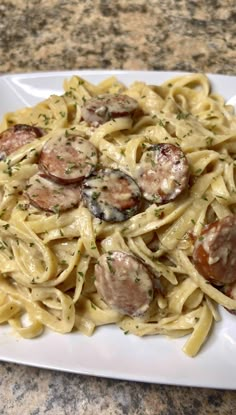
(46, 119)
(182, 115)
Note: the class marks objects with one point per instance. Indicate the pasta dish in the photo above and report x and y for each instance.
(118, 206)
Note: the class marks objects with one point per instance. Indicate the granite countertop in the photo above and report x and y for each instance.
(39, 35)
(42, 35)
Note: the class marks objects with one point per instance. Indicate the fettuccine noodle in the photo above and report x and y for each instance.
(47, 259)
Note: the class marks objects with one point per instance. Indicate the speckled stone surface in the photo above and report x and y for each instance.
(143, 34)
(30, 391)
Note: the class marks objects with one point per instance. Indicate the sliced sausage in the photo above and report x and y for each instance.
(214, 252)
(230, 291)
(111, 195)
(68, 158)
(163, 173)
(50, 196)
(124, 283)
(16, 137)
(102, 108)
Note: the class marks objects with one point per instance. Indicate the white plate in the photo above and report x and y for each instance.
(109, 352)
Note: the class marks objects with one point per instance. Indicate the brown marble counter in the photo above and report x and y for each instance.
(42, 35)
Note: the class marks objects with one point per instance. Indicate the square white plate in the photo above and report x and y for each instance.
(109, 352)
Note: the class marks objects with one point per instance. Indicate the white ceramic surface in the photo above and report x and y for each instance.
(109, 352)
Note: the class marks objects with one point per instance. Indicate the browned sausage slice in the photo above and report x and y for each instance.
(68, 158)
(163, 173)
(230, 291)
(124, 283)
(16, 137)
(214, 253)
(111, 195)
(100, 109)
(50, 196)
